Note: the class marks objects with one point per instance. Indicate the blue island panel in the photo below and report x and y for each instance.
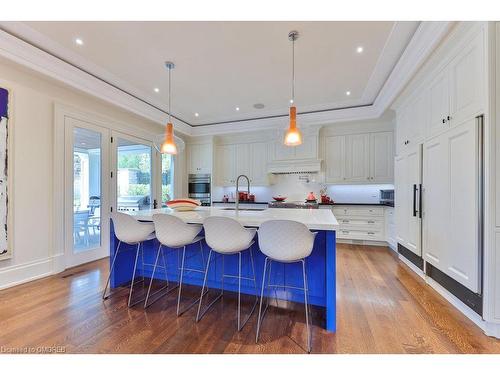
(320, 267)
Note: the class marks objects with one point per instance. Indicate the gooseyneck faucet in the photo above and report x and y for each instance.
(238, 189)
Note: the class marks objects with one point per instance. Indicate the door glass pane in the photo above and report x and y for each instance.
(134, 176)
(86, 189)
(167, 181)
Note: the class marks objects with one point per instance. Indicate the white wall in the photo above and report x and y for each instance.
(31, 141)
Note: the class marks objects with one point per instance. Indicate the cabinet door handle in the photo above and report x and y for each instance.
(444, 121)
(448, 118)
(371, 222)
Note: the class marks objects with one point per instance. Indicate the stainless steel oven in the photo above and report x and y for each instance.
(199, 188)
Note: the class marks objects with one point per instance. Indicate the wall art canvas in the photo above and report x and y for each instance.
(4, 248)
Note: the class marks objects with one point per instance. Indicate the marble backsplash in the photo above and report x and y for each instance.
(296, 187)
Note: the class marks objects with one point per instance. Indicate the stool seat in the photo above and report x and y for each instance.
(285, 241)
(173, 233)
(226, 237)
(132, 232)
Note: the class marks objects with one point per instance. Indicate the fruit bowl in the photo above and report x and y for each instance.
(279, 198)
(184, 204)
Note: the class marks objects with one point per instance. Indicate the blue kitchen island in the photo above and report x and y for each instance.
(321, 264)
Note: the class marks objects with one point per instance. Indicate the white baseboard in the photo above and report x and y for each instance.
(23, 273)
(492, 329)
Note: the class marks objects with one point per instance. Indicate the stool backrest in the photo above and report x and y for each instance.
(129, 230)
(226, 235)
(173, 232)
(285, 240)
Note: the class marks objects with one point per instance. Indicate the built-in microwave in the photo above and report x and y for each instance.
(387, 197)
(199, 187)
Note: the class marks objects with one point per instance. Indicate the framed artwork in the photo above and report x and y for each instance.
(5, 252)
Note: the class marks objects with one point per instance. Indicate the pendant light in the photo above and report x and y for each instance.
(168, 146)
(293, 136)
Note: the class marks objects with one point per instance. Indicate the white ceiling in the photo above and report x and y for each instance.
(223, 65)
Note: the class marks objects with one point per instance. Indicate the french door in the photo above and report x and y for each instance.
(104, 171)
(87, 197)
(133, 181)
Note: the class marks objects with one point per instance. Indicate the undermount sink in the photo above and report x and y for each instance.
(243, 209)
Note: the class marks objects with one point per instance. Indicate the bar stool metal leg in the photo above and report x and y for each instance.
(160, 251)
(133, 275)
(306, 306)
(259, 317)
(183, 268)
(198, 316)
(104, 296)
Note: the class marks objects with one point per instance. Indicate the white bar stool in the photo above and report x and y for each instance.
(285, 241)
(226, 236)
(132, 232)
(173, 233)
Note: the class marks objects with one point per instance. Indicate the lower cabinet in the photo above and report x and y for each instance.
(360, 222)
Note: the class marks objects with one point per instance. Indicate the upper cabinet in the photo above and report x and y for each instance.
(452, 95)
(249, 159)
(359, 158)
(307, 150)
(467, 81)
(199, 158)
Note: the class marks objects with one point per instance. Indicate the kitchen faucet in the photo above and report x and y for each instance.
(238, 191)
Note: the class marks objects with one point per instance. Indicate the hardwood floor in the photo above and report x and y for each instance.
(382, 308)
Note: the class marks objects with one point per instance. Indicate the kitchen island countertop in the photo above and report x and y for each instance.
(313, 219)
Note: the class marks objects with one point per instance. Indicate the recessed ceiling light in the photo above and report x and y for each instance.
(237, 108)
(359, 49)
(157, 89)
(348, 93)
(291, 101)
(196, 114)
(79, 41)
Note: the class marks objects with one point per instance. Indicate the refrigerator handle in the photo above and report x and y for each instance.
(415, 200)
(420, 201)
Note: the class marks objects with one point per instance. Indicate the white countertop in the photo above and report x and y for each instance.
(313, 218)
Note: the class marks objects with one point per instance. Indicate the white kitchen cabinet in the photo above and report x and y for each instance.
(457, 91)
(242, 160)
(199, 158)
(439, 109)
(357, 158)
(258, 163)
(360, 222)
(381, 157)
(335, 159)
(401, 198)
(406, 188)
(249, 159)
(390, 228)
(307, 150)
(226, 165)
(435, 202)
(467, 82)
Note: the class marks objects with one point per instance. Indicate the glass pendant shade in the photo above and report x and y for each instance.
(293, 136)
(168, 146)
